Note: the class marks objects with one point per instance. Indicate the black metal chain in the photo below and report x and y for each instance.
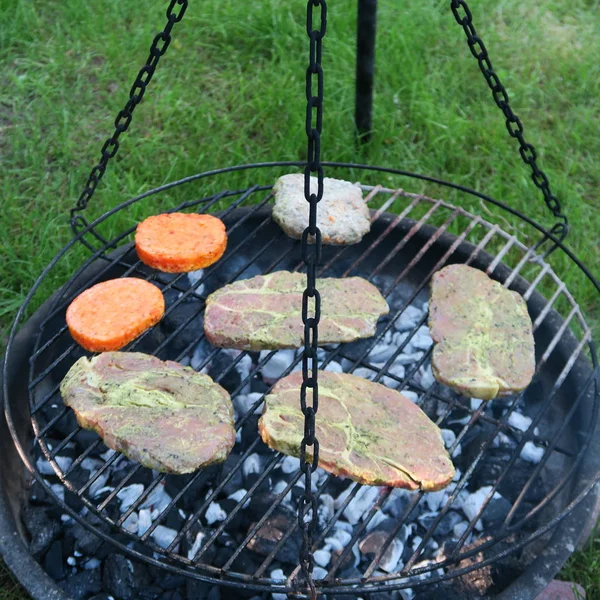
(307, 509)
(463, 17)
(159, 46)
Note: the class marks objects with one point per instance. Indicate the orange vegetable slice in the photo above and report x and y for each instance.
(180, 242)
(113, 313)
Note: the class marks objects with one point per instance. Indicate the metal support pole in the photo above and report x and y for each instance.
(365, 66)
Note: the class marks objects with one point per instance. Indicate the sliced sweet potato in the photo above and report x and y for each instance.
(113, 313)
(180, 242)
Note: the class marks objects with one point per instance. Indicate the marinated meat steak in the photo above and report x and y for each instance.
(160, 414)
(366, 431)
(264, 312)
(343, 216)
(483, 334)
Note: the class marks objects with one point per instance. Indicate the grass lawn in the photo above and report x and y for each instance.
(230, 91)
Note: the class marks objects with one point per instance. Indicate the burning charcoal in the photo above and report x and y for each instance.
(339, 539)
(472, 505)
(372, 543)
(163, 536)
(122, 577)
(197, 590)
(322, 557)
(532, 453)
(245, 403)
(222, 370)
(425, 377)
(92, 564)
(82, 585)
(447, 523)
(397, 502)
(412, 396)
(237, 480)
(131, 523)
(325, 510)
(434, 500)
(188, 334)
(290, 464)
(102, 597)
(275, 366)
(252, 465)
(200, 357)
(129, 494)
(360, 504)
(272, 531)
(365, 373)
(53, 561)
(409, 317)
(144, 521)
(214, 513)
(496, 510)
(422, 339)
(334, 367)
(45, 468)
(157, 499)
(382, 350)
(42, 529)
(378, 518)
(319, 573)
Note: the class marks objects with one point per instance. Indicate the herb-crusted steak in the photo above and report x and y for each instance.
(264, 312)
(483, 334)
(366, 431)
(160, 414)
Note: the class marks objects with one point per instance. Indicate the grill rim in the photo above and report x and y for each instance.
(242, 167)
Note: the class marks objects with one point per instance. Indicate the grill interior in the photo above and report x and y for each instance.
(399, 256)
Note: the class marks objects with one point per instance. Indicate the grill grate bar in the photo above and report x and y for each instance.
(552, 443)
(148, 489)
(515, 454)
(117, 489)
(253, 530)
(111, 461)
(196, 516)
(234, 511)
(410, 380)
(358, 531)
(284, 538)
(53, 391)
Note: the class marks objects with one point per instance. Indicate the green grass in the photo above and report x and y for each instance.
(230, 90)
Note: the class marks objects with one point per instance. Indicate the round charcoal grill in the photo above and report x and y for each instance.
(412, 236)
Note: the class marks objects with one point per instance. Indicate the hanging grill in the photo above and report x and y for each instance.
(412, 236)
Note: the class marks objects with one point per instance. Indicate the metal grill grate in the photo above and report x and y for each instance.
(399, 256)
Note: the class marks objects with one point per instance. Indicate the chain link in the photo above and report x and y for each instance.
(311, 254)
(464, 17)
(159, 46)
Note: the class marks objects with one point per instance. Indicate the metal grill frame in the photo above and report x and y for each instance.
(408, 577)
